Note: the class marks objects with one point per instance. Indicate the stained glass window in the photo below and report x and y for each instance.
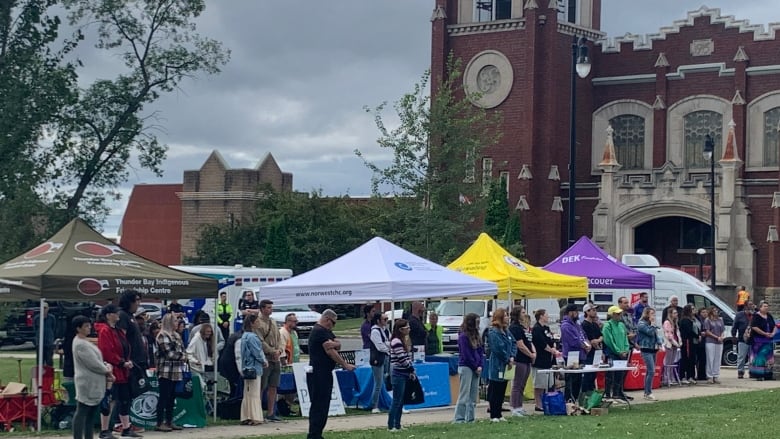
(772, 137)
(629, 139)
(696, 126)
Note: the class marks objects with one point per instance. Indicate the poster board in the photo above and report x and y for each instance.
(336, 403)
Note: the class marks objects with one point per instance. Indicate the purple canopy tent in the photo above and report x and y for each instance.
(585, 258)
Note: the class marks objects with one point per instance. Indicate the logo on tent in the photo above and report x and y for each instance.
(46, 247)
(92, 287)
(514, 261)
(403, 266)
(91, 248)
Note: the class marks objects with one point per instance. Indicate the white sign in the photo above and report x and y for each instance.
(336, 403)
(362, 357)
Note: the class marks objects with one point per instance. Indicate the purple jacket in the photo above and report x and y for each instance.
(365, 334)
(572, 338)
(469, 357)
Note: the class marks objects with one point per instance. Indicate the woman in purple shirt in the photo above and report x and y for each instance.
(469, 368)
(365, 328)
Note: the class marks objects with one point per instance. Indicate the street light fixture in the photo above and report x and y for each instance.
(709, 154)
(701, 252)
(580, 66)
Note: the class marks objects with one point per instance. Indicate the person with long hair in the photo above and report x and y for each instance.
(701, 351)
(380, 355)
(116, 351)
(672, 343)
(403, 369)
(200, 353)
(714, 333)
(544, 344)
(649, 342)
(525, 356)
(252, 357)
(470, 363)
(90, 377)
(762, 331)
(502, 356)
(170, 361)
(690, 340)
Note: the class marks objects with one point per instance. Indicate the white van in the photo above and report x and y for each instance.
(451, 314)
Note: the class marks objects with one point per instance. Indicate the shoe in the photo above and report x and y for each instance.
(376, 411)
(518, 412)
(502, 419)
(165, 428)
(538, 409)
(715, 381)
(650, 397)
(106, 434)
(175, 427)
(404, 411)
(710, 381)
(741, 375)
(625, 397)
(693, 381)
(274, 418)
(393, 430)
(495, 419)
(685, 381)
(128, 432)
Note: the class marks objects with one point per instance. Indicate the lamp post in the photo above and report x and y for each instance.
(701, 252)
(709, 154)
(580, 66)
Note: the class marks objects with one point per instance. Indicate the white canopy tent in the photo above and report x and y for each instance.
(377, 271)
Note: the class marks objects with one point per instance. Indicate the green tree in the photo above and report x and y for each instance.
(512, 241)
(277, 245)
(431, 174)
(497, 211)
(159, 47)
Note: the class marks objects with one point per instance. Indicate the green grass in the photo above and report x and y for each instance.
(9, 369)
(725, 416)
(348, 327)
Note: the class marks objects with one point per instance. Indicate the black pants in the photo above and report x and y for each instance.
(701, 361)
(225, 331)
(688, 360)
(165, 401)
(320, 384)
(48, 355)
(84, 421)
(495, 395)
(613, 384)
(573, 386)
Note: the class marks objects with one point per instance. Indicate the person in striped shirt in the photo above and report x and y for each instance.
(403, 369)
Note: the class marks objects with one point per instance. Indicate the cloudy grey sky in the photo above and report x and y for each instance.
(302, 71)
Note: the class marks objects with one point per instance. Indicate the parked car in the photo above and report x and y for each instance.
(20, 323)
(153, 310)
(306, 320)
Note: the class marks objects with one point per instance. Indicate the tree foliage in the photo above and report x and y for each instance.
(497, 211)
(431, 173)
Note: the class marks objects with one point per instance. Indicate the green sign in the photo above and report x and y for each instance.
(187, 412)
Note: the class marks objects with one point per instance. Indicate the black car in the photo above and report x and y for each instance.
(20, 323)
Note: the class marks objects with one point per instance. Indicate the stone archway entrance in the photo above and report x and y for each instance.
(674, 241)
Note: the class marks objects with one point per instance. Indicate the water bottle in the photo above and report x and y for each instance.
(559, 358)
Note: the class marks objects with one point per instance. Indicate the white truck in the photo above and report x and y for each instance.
(451, 314)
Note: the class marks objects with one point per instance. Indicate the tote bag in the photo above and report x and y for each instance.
(413, 393)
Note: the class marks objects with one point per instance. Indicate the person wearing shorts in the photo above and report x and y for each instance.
(542, 339)
(272, 347)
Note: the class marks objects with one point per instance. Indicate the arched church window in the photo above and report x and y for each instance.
(696, 126)
(772, 137)
(629, 139)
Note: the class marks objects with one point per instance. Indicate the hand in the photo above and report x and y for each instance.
(479, 371)
(225, 324)
(351, 367)
(128, 364)
(265, 364)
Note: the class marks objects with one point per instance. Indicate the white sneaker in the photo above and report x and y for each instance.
(495, 419)
(650, 397)
(685, 381)
(518, 412)
(393, 430)
(404, 411)
(375, 411)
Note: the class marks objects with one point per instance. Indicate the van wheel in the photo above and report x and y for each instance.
(730, 356)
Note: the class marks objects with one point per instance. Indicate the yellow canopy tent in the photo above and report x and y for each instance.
(487, 260)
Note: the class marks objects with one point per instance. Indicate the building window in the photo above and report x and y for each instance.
(503, 177)
(489, 10)
(469, 172)
(772, 137)
(567, 11)
(696, 126)
(629, 139)
(487, 174)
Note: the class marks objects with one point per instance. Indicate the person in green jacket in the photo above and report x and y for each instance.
(617, 347)
(433, 340)
(224, 314)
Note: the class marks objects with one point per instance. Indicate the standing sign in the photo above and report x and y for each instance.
(187, 412)
(336, 403)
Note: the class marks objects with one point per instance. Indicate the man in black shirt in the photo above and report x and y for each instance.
(417, 331)
(323, 357)
(592, 328)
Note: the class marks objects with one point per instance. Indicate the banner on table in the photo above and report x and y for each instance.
(336, 403)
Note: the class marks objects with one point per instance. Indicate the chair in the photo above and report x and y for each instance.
(48, 391)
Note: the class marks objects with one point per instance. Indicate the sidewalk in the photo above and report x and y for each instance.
(730, 384)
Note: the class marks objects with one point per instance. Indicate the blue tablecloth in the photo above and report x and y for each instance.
(346, 380)
(365, 390)
(450, 359)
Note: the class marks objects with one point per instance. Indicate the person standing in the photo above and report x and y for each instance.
(252, 357)
(762, 331)
(224, 315)
(544, 344)
(417, 330)
(640, 306)
(89, 379)
(518, 322)
(672, 343)
(573, 341)
(433, 340)
(628, 320)
(502, 356)
(701, 350)
(365, 327)
(247, 304)
(689, 334)
(470, 363)
(741, 324)
(291, 351)
(592, 329)
(229, 367)
(115, 349)
(713, 342)
(402, 371)
(649, 342)
(128, 305)
(49, 326)
(742, 297)
(200, 353)
(170, 361)
(272, 347)
(323, 357)
(616, 343)
(380, 356)
(674, 303)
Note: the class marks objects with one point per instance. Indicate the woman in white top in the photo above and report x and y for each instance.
(672, 343)
(200, 353)
(90, 374)
(380, 355)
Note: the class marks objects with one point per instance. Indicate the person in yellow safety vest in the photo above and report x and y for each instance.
(433, 340)
(224, 314)
(742, 297)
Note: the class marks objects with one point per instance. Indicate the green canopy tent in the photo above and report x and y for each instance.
(79, 264)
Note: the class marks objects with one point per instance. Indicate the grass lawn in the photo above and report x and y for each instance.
(348, 327)
(9, 369)
(726, 416)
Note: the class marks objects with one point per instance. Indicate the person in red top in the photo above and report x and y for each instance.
(115, 349)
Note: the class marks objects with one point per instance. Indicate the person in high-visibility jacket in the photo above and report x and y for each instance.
(224, 314)
(433, 340)
(742, 297)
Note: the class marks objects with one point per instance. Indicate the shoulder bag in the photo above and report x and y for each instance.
(139, 383)
(413, 393)
(183, 388)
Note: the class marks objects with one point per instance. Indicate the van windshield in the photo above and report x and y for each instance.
(456, 308)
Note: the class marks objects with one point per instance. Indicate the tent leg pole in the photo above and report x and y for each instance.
(39, 384)
(216, 354)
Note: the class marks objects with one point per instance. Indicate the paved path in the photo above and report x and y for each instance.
(366, 422)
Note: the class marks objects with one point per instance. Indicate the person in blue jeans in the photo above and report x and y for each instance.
(470, 362)
(403, 369)
(649, 342)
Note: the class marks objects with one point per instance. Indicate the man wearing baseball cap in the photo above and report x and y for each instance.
(592, 328)
(617, 348)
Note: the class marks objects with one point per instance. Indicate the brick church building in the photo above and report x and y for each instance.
(642, 116)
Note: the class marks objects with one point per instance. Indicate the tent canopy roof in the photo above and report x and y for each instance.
(78, 263)
(486, 259)
(585, 258)
(376, 271)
